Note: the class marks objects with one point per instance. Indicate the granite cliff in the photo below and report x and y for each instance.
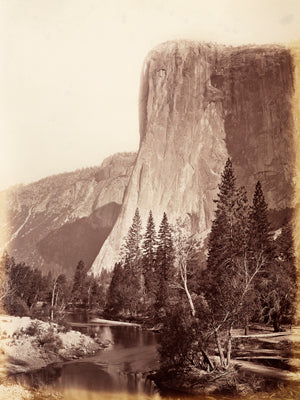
(55, 222)
(199, 105)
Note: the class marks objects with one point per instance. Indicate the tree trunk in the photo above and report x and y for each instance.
(52, 301)
(246, 326)
(207, 359)
(189, 299)
(276, 323)
(221, 354)
(229, 345)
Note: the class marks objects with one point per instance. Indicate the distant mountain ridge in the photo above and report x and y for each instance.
(53, 223)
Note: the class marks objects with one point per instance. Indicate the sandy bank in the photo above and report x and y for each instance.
(27, 344)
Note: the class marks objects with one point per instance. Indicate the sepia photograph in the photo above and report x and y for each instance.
(149, 200)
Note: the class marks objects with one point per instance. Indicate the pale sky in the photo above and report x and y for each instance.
(70, 70)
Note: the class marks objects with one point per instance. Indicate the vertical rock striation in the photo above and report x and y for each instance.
(199, 105)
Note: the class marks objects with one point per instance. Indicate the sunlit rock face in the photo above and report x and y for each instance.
(199, 105)
(55, 222)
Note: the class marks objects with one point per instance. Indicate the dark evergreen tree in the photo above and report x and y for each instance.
(79, 282)
(262, 250)
(132, 245)
(115, 294)
(260, 236)
(229, 290)
(132, 265)
(149, 252)
(223, 245)
(221, 239)
(164, 264)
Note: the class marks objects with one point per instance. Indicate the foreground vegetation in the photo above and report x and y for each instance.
(32, 344)
(196, 300)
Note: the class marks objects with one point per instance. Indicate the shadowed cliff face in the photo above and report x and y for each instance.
(55, 222)
(199, 105)
(257, 84)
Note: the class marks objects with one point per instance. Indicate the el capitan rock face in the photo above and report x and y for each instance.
(199, 105)
(59, 220)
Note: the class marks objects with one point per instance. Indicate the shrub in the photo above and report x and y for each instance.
(49, 339)
(33, 329)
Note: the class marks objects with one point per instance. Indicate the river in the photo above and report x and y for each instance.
(121, 368)
(118, 372)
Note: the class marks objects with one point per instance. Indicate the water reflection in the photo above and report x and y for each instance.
(122, 367)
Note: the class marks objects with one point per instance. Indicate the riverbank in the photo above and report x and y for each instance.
(28, 344)
(263, 362)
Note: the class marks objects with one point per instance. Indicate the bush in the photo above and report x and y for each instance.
(15, 306)
(49, 339)
(33, 329)
(178, 344)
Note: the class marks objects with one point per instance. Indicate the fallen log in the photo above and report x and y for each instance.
(261, 335)
(262, 358)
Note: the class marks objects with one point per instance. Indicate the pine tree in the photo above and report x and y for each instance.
(116, 294)
(78, 282)
(229, 285)
(261, 242)
(132, 245)
(222, 239)
(164, 263)
(132, 264)
(273, 283)
(149, 252)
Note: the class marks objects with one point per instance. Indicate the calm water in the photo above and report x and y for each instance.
(119, 372)
(120, 368)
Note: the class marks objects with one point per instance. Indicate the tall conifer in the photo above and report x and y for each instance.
(164, 261)
(132, 246)
(149, 252)
(222, 237)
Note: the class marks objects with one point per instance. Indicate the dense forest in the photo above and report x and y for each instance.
(26, 292)
(193, 290)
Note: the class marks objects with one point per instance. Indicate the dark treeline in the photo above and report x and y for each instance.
(247, 276)
(26, 292)
(140, 281)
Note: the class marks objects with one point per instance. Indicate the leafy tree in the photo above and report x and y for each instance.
(58, 297)
(178, 335)
(278, 287)
(186, 256)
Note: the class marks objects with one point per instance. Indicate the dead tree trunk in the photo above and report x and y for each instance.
(53, 299)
